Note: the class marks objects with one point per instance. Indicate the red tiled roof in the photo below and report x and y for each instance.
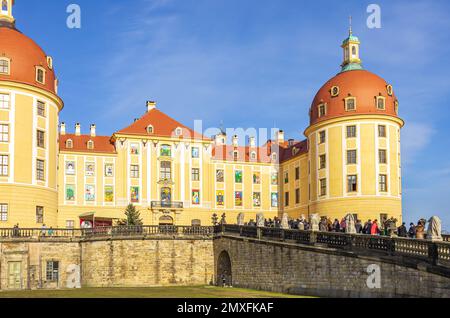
(226, 153)
(163, 126)
(295, 150)
(102, 144)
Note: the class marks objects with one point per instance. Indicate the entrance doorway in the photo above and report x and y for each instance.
(224, 273)
(15, 275)
(165, 220)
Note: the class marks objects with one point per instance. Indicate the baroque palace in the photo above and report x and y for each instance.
(349, 162)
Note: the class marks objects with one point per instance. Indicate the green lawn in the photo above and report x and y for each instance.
(152, 292)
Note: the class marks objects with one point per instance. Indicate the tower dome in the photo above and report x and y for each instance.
(21, 59)
(354, 91)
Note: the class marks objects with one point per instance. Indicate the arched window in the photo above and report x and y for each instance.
(396, 107)
(149, 129)
(253, 155)
(4, 66)
(90, 145)
(354, 50)
(165, 220)
(50, 62)
(69, 144)
(40, 75)
(274, 156)
(178, 131)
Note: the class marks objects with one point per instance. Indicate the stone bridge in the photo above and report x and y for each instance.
(272, 259)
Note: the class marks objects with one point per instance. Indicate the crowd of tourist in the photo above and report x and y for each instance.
(371, 227)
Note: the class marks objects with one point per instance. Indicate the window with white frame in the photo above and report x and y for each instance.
(352, 183)
(134, 171)
(70, 224)
(41, 108)
(69, 144)
(195, 174)
(322, 110)
(3, 212)
(4, 66)
(323, 187)
(351, 157)
(350, 103)
(351, 131)
(323, 161)
(382, 156)
(40, 75)
(4, 165)
(52, 271)
(4, 101)
(383, 182)
(4, 132)
(166, 170)
(381, 103)
(90, 145)
(40, 170)
(382, 131)
(40, 139)
(39, 214)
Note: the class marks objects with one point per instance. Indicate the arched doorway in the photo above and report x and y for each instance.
(224, 273)
(165, 220)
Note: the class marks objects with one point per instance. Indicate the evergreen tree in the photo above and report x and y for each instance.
(133, 217)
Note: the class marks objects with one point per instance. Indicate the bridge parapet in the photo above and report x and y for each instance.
(434, 253)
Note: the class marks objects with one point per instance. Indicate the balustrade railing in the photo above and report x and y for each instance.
(433, 252)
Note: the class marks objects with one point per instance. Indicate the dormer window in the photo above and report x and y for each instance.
(90, 145)
(150, 129)
(396, 107)
(4, 66)
(334, 91)
(50, 62)
(69, 144)
(235, 155)
(178, 132)
(274, 156)
(253, 155)
(40, 75)
(389, 90)
(350, 104)
(381, 102)
(322, 110)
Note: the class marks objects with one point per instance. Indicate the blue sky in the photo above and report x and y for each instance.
(252, 63)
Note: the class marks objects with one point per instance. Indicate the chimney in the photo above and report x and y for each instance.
(93, 130)
(252, 142)
(235, 141)
(150, 105)
(63, 129)
(280, 136)
(220, 139)
(77, 129)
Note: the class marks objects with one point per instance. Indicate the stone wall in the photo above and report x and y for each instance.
(102, 263)
(315, 271)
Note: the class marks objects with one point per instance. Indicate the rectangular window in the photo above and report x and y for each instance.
(380, 103)
(351, 157)
(257, 177)
(297, 173)
(40, 136)
(70, 224)
(382, 131)
(195, 152)
(274, 200)
(382, 156)
(4, 66)
(286, 199)
(351, 131)
(52, 271)
(3, 212)
(4, 165)
(40, 76)
(352, 183)
(109, 170)
(195, 174)
(238, 176)
(4, 101)
(4, 132)
(39, 214)
(350, 104)
(40, 170)
(322, 110)
(238, 198)
(41, 108)
(297, 196)
(134, 171)
(274, 178)
(323, 187)
(286, 177)
(383, 183)
(220, 175)
(323, 161)
(322, 137)
(166, 170)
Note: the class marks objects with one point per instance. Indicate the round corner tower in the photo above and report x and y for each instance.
(29, 115)
(354, 144)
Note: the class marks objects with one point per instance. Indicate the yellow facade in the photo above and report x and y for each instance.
(44, 182)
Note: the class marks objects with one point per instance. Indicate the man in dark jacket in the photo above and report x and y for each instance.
(402, 232)
(358, 227)
(412, 230)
